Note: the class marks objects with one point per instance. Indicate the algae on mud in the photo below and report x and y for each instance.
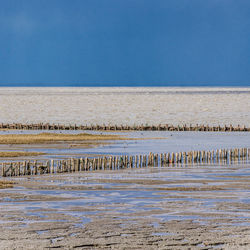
(53, 137)
(6, 154)
(6, 184)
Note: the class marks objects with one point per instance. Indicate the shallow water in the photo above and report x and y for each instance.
(149, 141)
(133, 197)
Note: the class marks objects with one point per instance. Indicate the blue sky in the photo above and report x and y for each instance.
(124, 42)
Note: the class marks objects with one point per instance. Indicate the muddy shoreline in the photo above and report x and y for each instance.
(200, 207)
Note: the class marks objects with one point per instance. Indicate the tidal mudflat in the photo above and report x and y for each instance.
(192, 207)
(178, 206)
(130, 106)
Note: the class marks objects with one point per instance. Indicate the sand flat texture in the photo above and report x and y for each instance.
(154, 208)
(130, 106)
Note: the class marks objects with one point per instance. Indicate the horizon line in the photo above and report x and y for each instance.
(123, 85)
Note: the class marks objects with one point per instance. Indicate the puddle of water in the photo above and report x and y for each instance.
(162, 234)
(126, 235)
(54, 240)
(35, 214)
(74, 234)
(8, 199)
(168, 217)
(25, 222)
(84, 221)
(220, 246)
(42, 232)
(200, 245)
(155, 224)
(241, 224)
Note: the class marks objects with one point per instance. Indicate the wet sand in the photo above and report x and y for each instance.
(195, 207)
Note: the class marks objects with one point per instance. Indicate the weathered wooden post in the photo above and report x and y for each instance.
(244, 153)
(57, 167)
(93, 164)
(73, 164)
(155, 160)
(77, 164)
(241, 153)
(152, 159)
(130, 162)
(229, 156)
(213, 156)
(24, 168)
(217, 156)
(184, 157)
(172, 158)
(52, 167)
(125, 161)
(65, 166)
(149, 155)
(161, 160)
(15, 169)
(3, 169)
(68, 167)
(116, 163)
(202, 156)
(113, 162)
(188, 157)
(232, 154)
(110, 162)
(199, 157)
(81, 164)
(19, 168)
(191, 157)
(105, 163)
(236, 154)
(136, 161)
(47, 168)
(194, 153)
(35, 168)
(176, 158)
(140, 161)
(144, 162)
(165, 159)
(220, 155)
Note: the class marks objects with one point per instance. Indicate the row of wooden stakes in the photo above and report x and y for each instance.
(160, 127)
(121, 162)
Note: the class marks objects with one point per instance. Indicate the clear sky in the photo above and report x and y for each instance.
(124, 42)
